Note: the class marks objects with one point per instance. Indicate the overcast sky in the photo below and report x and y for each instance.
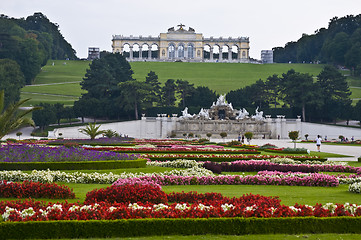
(268, 23)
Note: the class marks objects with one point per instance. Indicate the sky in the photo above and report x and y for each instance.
(267, 23)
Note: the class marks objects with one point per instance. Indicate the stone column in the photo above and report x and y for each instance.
(140, 52)
(149, 53)
(220, 54)
(131, 52)
(229, 54)
(211, 53)
(238, 54)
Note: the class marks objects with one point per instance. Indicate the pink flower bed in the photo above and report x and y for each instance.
(220, 157)
(313, 179)
(257, 165)
(175, 149)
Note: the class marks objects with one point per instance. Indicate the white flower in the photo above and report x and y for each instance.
(227, 207)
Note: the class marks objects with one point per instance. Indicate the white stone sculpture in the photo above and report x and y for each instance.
(259, 115)
(185, 114)
(221, 101)
(242, 114)
(203, 114)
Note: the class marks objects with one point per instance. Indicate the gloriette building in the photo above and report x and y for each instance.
(182, 45)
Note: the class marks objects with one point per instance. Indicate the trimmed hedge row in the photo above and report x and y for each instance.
(85, 165)
(166, 226)
(287, 152)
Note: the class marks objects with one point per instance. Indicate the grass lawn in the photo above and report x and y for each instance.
(72, 71)
(356, 92)
(221, 77)
(35, 99)
(65, 89)
(250, 237)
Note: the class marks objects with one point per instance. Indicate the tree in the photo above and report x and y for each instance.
(152, 80)
(19, 134)
(104, 75)
(101, 82)
(248, 136)
(201, 97)
(357, 111)
(68, 113)
(273, 89)
(12, 80)
(185, 89)
(59, 111)
(45, 116)
(92, 130)
(299, 90)
(168, 93)
(11, 117)
(353, 57)
(294, 136)
(134, 95)
(223, 135)
(333, 90)
(209, 135)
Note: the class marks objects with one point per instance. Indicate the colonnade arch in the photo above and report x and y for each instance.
(180, 51)
(220, 52)
(140, 50)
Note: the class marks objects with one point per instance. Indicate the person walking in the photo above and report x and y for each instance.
(318, 142)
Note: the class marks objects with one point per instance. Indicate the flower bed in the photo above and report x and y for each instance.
(128, 192)
(313, 179)
(172, 149)
(257, 165)
(34, 190)
(34, 153)
(224, 157)
(99, 178)
(245, 206)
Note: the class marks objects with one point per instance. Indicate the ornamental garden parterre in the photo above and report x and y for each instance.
(127, 194)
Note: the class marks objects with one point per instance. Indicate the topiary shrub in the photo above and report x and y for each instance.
(130, 193)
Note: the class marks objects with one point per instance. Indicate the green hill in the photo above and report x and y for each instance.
(60, 82)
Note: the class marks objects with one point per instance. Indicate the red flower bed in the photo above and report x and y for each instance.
(34, 190)
(245, 206)
(129, 193)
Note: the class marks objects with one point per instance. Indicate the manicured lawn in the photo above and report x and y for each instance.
(35, 99)
(221, 77)
(356, 92)
(72, 71)
(66, 89)
(250, 237)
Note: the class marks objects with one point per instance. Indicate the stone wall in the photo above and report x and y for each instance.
(163, 126)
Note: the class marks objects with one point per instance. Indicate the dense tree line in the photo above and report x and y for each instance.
(326, 99)
(25, 46)
(339, 44)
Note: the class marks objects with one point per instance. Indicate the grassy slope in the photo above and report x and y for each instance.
(221, 77)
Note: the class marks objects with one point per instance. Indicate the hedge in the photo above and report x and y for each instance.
(88, 165)
(167, 226)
